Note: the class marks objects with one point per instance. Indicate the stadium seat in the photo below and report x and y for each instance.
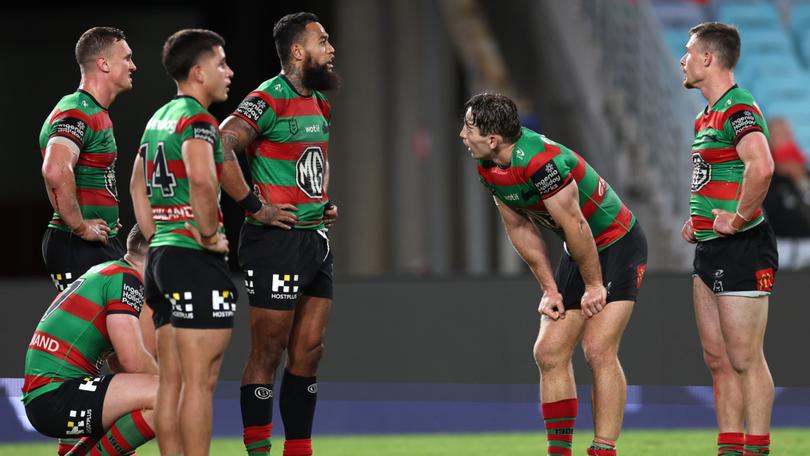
(750, 16)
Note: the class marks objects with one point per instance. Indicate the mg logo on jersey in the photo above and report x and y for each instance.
(701, 172)
(309, 172)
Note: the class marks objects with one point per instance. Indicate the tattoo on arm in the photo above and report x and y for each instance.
(236, 135)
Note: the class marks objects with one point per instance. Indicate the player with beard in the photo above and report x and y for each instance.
(284, 249)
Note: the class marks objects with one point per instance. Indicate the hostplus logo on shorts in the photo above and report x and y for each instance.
(79, 422)
(285, 286)
(181, 304)
(222, 303)
(249, 282)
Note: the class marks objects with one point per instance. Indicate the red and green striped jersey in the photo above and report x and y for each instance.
(717, 171)
(71, 339)
(288, 159)
(539, 169)
(167, 185)
(79, 118)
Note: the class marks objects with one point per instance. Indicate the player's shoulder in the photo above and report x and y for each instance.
(78, 104)
(189, 111)
(276, 87)
(736, 99)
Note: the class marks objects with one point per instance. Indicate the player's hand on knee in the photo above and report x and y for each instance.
(278, 215)
(330, 214)
(688, 232)
(551, 304)
(217, 242)
(94, 230)
(593, 300)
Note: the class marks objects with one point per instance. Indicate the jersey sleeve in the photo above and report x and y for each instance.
(548, 175)
(129, 298)
(743, 119)
(71, 124)
(257, 111)
(200, 126)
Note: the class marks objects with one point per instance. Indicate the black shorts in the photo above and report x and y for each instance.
(68, 256)
(72, 410)
(189, 288)
(623, 266)
(281, 265)
(743, 264)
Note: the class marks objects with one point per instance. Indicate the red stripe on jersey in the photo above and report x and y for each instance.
(201, 117)
(292, 195)
(283, 151)
(617, 229)
(87, 310)
(592, 204)
(737, 108)
(502, 177)
(176, 168)
(143, 427)
(95, 197)
(57, 114)
(100, 121)
(564, 183)
(579, 171)
(45, 343)
(541, 159)
(294, 107)
(108, 446)
(117, 306)
(33, 382)
(326, 108)
(702, 223)
(94, 160)
(118, 269)
(719, 190)
(718, 155)
(250, 122)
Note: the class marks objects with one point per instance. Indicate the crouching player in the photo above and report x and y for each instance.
(93, 320)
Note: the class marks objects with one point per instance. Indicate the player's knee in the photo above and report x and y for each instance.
(267, 354)
(549, 357)
(598, 353)
(741, 360)
(307, 359)
(717, 361)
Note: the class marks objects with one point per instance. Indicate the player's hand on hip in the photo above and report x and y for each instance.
(217, 242)
(722, 222)
(688, 232)
(551, 304)
(593, 300)
(330, 214)
(278, 215)
(94, 230)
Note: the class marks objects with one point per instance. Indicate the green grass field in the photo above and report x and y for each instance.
(787, 442)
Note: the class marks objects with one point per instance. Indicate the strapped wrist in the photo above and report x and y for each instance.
(250, 203)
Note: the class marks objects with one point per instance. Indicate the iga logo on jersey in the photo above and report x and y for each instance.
(701, 172)
(309, 172)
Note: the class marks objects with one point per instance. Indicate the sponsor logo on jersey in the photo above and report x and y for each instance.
(313, 129)
(701, 172)
(249, 282)
(717, 287)
(520, 154)
(547, 179)
(284, 286)
(45, 343)
(181, 304)
(172, 213)
(511, 197)
(223, 304)
(601, 187)
(132, 295)
(253, 108)
(79, 422)
(162, 125)
(309, 172)
(765, 279)
(718, 274)
(742, 121)
(71, 127)
(313, 388)
(205, 131)
(640, 271)
(263, 393)
(293, 124)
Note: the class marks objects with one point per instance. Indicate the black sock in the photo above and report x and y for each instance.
(297, 404)
(256, 402)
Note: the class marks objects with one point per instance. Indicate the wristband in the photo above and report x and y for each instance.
(251, 203)
(211, 236)
(734, 225)
(741, 216)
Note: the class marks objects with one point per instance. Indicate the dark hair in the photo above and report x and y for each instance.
(722, 39)
(287, 30)
(136, 243)
(494, 113)
(95, 41)
(183, 49)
